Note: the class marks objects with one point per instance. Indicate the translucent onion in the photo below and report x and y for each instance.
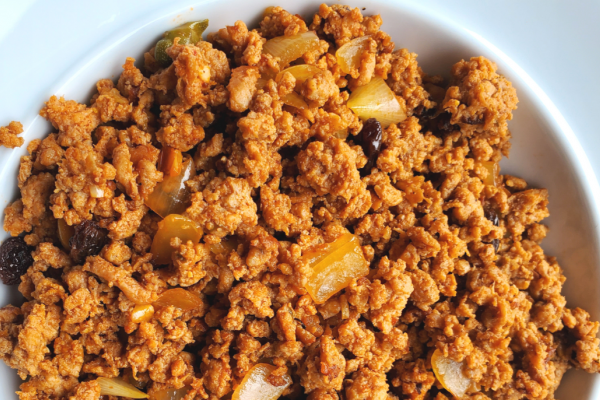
(65, 232)
(171, 394)
(171, 195)
(142, 313)
(376, 100)
(348, 56)
(179, 298)
(255, 386)
(492, 171)
(225, 246)
(118, 387)
(301, 72)
(450, 374)
(173, 226)
(96, 192)
(290, 48)
(170, 161)
(295, 100)
(334, 266)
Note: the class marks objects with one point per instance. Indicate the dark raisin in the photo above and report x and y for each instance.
(473, 120)
(492, 215)
(443, 123)
(88, 240)
(427, 113)
(370, 139)
(419, 387)
(496, 244)
(15, 258)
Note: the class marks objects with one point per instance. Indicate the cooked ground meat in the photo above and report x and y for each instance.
(268, 171)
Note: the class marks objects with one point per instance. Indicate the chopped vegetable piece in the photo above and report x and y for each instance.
(376, 100)
(295, 100)
(334, 267)
(142, 313)
(492, 170)
(188, 33)
(348, 56)
(289, 48)
(173, 226)
(171, 195)
(225, 246)
(301, 72)
(118, 387)
(65, 233)
(96, 192)
(170, 161)
(255, 386)
(171, 394)
(179, 298)
(450, 374)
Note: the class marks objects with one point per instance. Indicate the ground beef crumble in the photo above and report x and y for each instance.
(455, 263)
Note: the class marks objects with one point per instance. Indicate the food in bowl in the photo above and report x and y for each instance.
(293, 211)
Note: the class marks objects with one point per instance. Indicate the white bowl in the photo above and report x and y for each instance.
(544, 151)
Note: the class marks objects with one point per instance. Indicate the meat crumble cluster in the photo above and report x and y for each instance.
(296, 210)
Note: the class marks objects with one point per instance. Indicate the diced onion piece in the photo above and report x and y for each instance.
(289, 48)
(224, 246)
(118, 387)
(173, 226)
(376, 100)
(142, 313)
(179, 298)
(170, 161)
(255, 386)
(301, 72)
(65, 232)
(334, 267)
(96, 192)
(171, 394)
(171, 195)
(295, 100)
(492, 170)
(450, 374)
(348, 56)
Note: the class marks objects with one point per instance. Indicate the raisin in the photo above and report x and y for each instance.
(370, 139)
(496, 244)
(492, 215)
(427, 113)
(15, 258)
(443, 123)
(88, 240)
(473, 120)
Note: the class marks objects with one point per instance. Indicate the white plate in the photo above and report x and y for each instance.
(52, 59)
